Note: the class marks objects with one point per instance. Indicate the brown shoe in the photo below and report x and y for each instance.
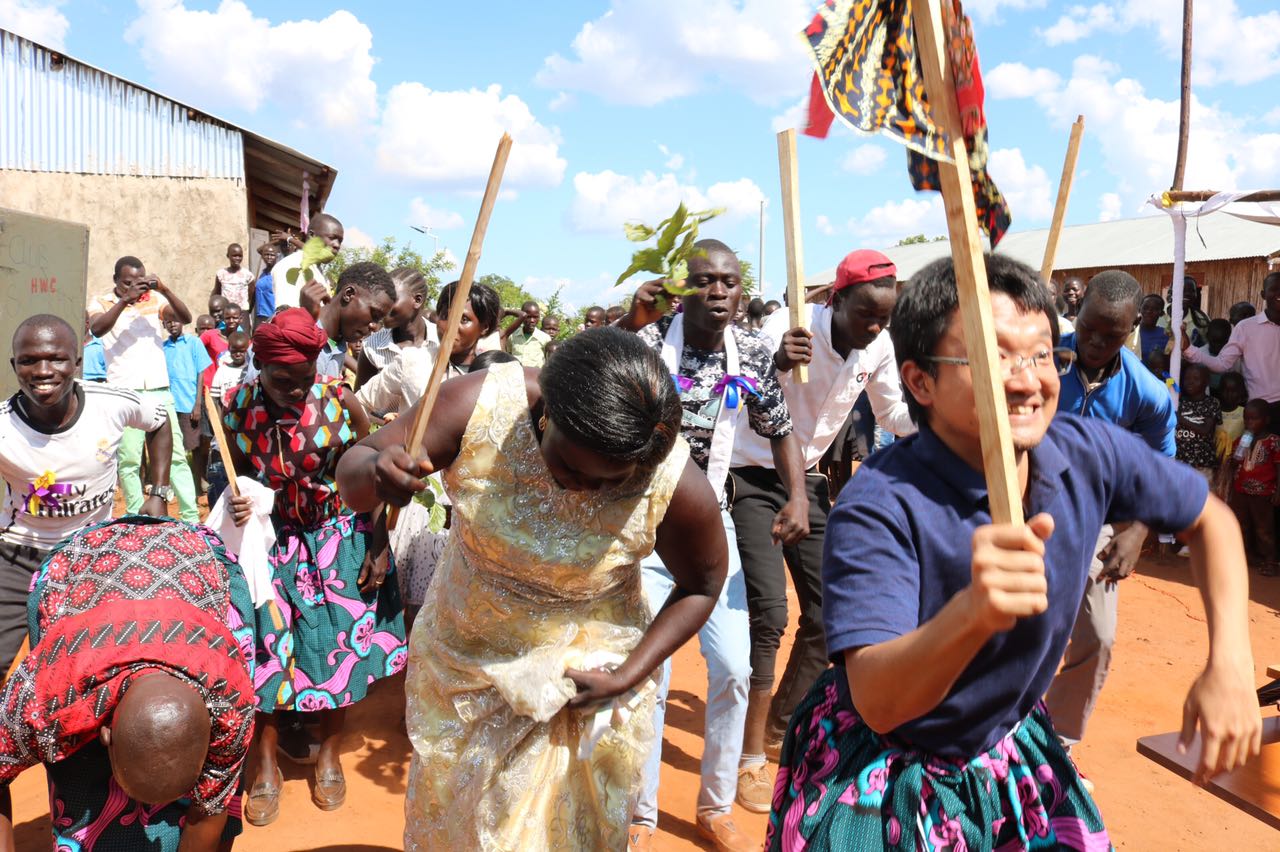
(263, 803)
(330, 791)
(639, 838)
(755, 788)
(720, 830)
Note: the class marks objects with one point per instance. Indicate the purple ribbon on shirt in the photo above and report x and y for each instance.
(731, 385)
(44, 492)
(683, 384)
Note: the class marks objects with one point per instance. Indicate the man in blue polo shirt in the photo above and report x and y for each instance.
(1109, 382)
(946, 628)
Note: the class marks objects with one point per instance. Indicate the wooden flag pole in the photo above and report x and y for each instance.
(1064, 195)
(220, 435)
(998, 463)
(414, 442)
(788, 168)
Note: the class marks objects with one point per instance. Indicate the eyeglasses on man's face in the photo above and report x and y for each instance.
(1060, 360)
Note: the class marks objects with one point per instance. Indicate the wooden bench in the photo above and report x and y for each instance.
(1254, 788)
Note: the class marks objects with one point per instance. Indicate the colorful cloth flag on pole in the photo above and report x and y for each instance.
(868, 74)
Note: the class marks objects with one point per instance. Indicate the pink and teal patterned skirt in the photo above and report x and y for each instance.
(325, 642)
(843, 786)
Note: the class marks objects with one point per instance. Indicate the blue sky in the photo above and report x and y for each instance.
(620, 108)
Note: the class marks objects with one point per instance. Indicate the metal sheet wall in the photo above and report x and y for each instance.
(69, 117)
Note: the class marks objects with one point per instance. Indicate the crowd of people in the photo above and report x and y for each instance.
(583, 502)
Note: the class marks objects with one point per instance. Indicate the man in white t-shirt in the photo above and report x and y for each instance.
(127, 320)
(58, 441)
(848, 351)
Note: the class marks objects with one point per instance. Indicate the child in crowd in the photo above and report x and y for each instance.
(1199, 416)
(94, 365)
(1232, 397)
(264, 291)
(215, 343)
(595, 317)
(232, 319)
(1150, 334)
(1241, 311)
(1254, 495)
(230, 373)
(1217, 335)
(186, 358)
(614, 314)
(549, 350)
(217, 306)
(235, 283)
(551, 325)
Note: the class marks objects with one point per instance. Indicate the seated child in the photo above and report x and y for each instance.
(1253, 494)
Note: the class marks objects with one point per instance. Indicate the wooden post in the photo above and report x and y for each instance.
(220, 435)
(1184, 110)
(788, 168)
(1064, 195)
(998, 464)
(413, 444)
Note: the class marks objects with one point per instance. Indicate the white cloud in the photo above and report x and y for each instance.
(644, 52)
(355, 238)
(1110, 207)
(1080, 22)
(447, 139)
(231, 58)
(989, 10)
(1230, 46)
(795, 116)
(1015, 80)
(886, 224)
(1025, 187)
(1141, 133)
(426, 216)
(40, 22)
(1272, 116)
(674, 161)
(604, 201)
(865, 159)
(562, 101)
(824, 226)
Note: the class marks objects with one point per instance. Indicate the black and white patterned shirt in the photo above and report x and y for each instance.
(767, 413)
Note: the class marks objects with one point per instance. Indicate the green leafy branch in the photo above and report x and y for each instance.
(669, 258)
(314, 251)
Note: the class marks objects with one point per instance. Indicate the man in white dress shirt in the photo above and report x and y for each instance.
(1256, 341)
(848, 351)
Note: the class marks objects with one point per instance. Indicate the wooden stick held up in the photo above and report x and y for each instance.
(220, 435)
(1064, 195)
(428, 401)
(970, 270)
(789, 170)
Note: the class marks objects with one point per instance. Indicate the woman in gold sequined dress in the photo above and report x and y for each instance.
(530, 674)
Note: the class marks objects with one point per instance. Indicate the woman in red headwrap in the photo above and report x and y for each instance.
(336, 626)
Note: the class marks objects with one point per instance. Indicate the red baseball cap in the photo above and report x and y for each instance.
(861, 266)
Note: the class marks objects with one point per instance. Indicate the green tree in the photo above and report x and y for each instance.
(910, 241)
(510, 293)
(390, 254)
(749, 284)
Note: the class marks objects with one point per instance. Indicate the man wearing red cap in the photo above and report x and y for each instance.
(846, 345)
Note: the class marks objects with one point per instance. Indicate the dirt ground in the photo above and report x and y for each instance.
(1160, 648)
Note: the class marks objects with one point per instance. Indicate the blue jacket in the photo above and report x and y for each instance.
(1134, 398)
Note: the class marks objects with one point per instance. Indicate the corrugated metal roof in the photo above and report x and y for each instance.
(1144, 241)
(59, 115)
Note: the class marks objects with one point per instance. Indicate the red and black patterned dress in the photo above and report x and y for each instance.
(327, 642)
(115, 602)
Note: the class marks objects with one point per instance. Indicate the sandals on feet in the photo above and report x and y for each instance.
(263, 804)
